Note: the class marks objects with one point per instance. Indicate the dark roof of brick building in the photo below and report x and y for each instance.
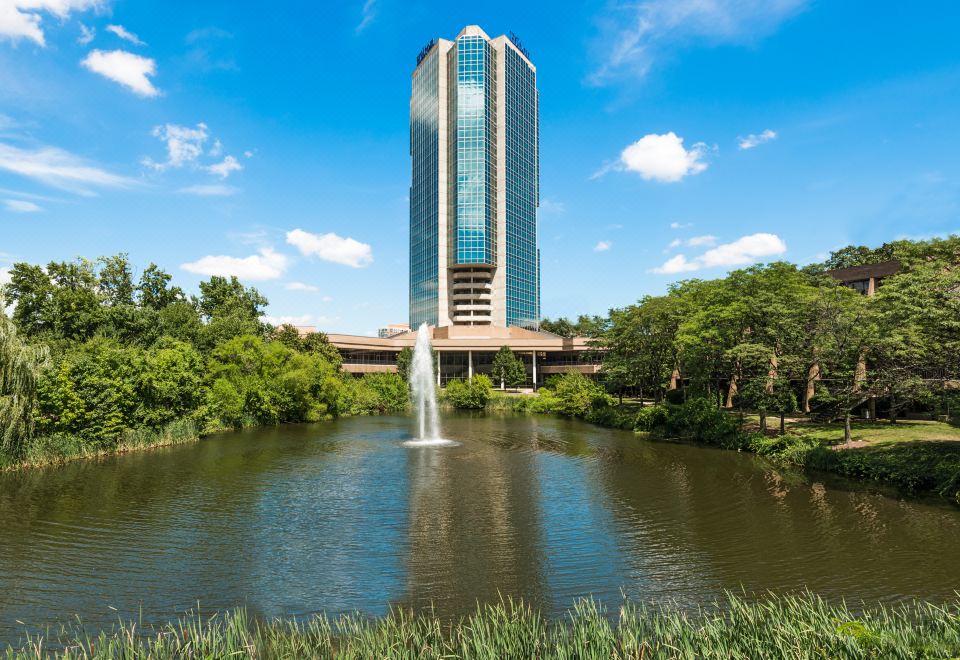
(855, 273)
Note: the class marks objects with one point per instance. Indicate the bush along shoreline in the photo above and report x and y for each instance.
(921, 466)
(800, 626)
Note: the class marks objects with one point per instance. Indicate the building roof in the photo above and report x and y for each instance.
(467, 338)
(855, 273)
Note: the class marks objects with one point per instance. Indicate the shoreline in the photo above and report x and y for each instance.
(859, 466)
(744, 625)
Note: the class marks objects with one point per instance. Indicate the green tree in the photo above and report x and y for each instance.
(917, 313)
(508, 369)
(116, 279)
(180, 320)
(92, 393)
(170, 382)
(561, 326)
(154, 290)
(31, 290)
(639, 347)
(221, 297)
(276, 383)
(75, 307)
(289, 336)
(404, 360)
(20, 366)
(845, 331)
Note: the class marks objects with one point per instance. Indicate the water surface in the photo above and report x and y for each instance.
(340, 517)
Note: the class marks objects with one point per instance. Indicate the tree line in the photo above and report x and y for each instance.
(779, 338)
(91, 353)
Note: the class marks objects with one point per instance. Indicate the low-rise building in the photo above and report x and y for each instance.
(462, 351)
(392, 330)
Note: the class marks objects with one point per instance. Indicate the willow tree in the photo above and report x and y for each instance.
(19, 368)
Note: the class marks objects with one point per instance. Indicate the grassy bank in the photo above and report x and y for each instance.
(911, 455)
(914, 456)
(63, 447)
(776, 627)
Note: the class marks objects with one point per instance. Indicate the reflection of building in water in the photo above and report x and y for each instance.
(474, 530)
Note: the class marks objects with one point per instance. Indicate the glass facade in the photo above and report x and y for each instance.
(522, 191)
(489, 184)
(475, 156)
(424, 189)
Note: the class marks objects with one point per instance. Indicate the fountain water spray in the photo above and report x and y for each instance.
(425, 392)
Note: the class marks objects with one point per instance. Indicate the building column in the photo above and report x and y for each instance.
(534, 371)
(438, 368)
(469, 365)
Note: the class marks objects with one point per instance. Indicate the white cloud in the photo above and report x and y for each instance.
(4, 275)
(677, 264)
(743, 251)
(300, 286)
(223, 169)
(680, 225)
(87, 34)
(57, 168)
(124, 34)
(602, 246)
(302, 319)
(184, 144)
(128, 69)
(696, 241)
(21, 19)
(753, 140)
(662, 158)
(267, 265)
(368, 13)
(635, 34)
(21, 206)
(211, 190)
(331, 247)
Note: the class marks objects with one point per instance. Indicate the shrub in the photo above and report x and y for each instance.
(699, 419)
(577, 395)
(377, 394)
(650, 418)
(470, 395)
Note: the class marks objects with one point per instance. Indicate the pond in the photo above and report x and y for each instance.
(340, 517)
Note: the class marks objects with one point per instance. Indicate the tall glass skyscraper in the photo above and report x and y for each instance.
(474, 142)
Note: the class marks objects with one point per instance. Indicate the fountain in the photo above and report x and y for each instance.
(425, 394)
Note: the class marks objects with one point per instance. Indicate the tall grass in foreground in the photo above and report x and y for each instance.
(776, 627)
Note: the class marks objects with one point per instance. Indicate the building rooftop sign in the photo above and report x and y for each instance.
(516, 42)
(425, 50)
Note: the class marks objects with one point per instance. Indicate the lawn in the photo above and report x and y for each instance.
(864, 433)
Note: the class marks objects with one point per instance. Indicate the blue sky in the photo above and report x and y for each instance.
(679, 138)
